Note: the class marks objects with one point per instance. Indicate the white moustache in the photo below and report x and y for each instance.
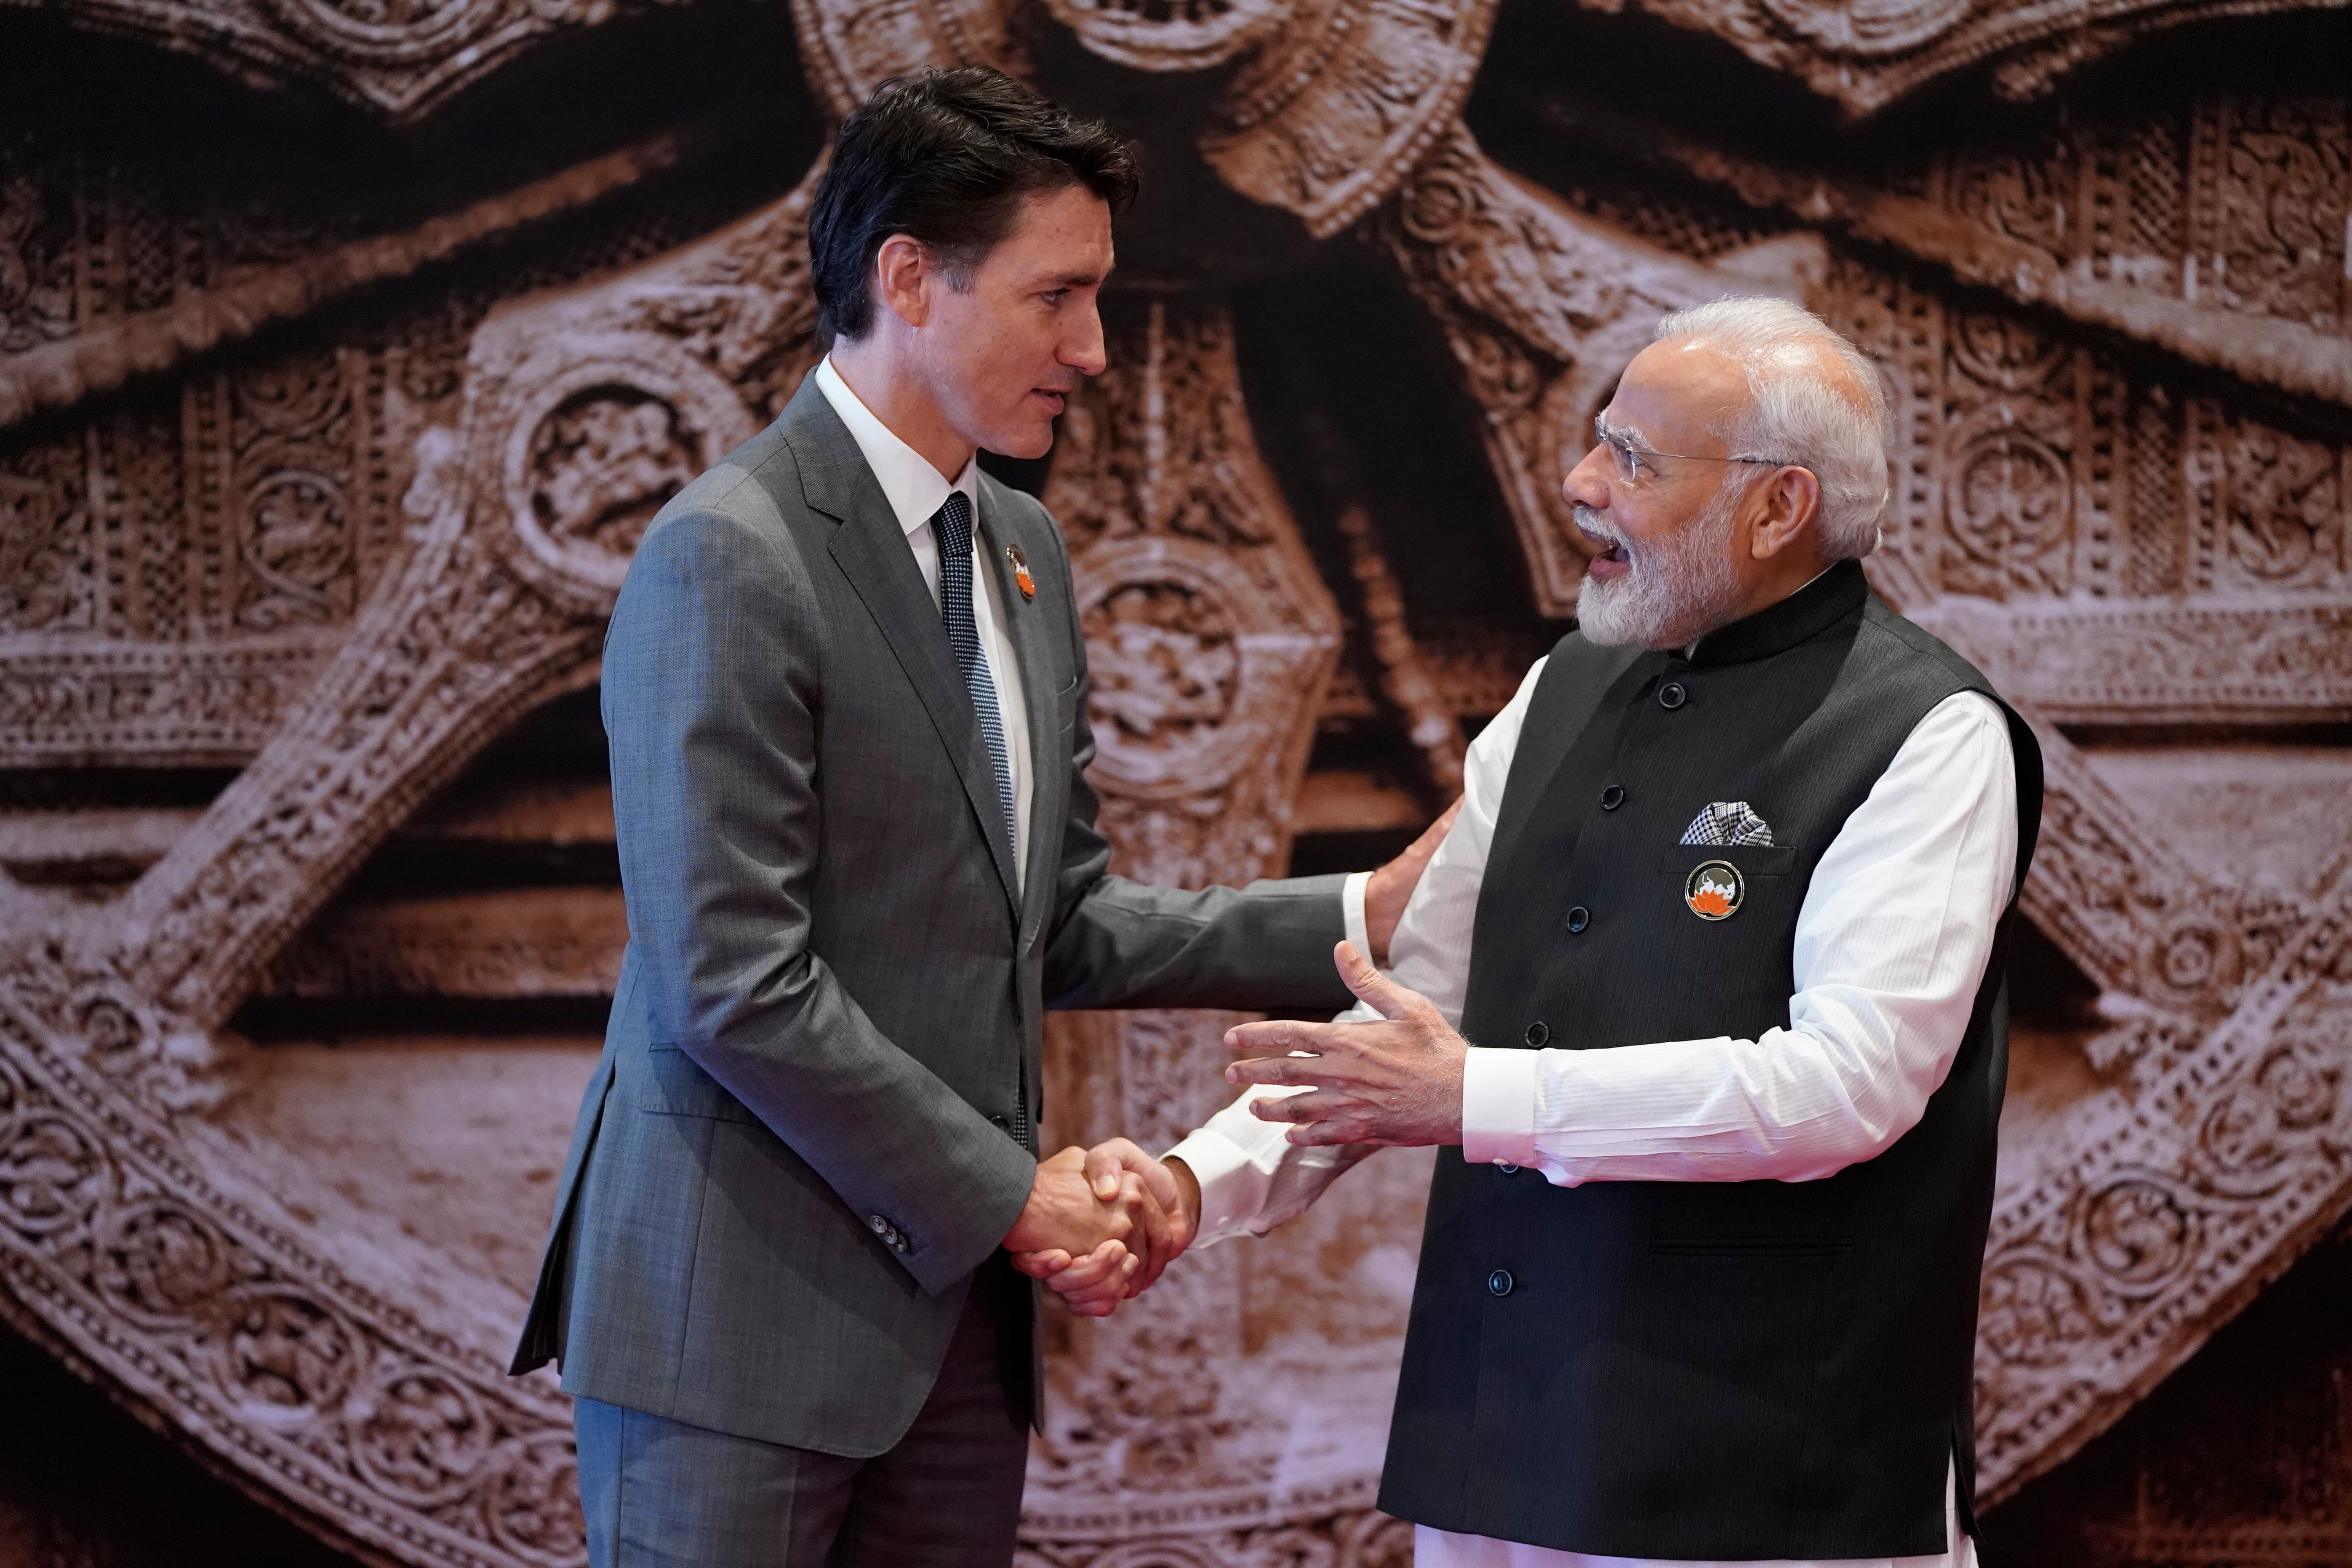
(1589, 523)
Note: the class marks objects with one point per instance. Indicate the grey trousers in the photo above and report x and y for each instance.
(661, 1494)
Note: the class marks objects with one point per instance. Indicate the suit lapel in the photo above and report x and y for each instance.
(1048, 775)
(871, 550)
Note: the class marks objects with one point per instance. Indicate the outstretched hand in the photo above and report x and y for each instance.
(1167, 1205)
(1389, 889)
(1398, 1081)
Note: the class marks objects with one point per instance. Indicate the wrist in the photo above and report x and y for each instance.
(1187, 1190)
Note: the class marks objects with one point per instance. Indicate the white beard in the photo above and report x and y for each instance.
(1676, 592)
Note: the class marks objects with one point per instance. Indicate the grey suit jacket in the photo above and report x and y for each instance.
(794, 1151)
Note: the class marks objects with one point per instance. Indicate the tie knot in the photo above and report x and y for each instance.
(952, 524)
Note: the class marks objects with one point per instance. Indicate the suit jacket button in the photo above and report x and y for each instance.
(1539, 1032)
(1578, 918)
(1672, 695)
(1612, 797)
(881, 1226)
(1499, 1283)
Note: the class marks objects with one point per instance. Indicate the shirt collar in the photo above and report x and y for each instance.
(912, 487)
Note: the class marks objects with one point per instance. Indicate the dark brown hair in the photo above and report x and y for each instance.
(946, 157)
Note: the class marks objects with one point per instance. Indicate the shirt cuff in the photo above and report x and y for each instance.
(1499, 1106)
(1352, 910)
(1232, 1185)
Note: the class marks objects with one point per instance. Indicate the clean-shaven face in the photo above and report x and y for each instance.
(1664, 571)
(1001, 354)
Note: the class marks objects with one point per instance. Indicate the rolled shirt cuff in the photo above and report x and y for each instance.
(1499, 1106)
(1352, 910)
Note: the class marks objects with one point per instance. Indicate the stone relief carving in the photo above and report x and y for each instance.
(1866, 54)
(400, 60)
(1208, 630)
(347, 570)
(2129, 224)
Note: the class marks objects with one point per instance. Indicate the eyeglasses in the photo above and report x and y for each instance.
(1630, 458)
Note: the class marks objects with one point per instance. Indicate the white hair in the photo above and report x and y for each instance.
(1800, 410)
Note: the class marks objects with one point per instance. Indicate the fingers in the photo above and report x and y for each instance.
(1391, 886)
(1106, 1162)
(1283, 1072)
(1313, 1105)
(1095, 1285)
(1107, 1159)
(1043, 1265)
(1278, 1036)
(1383, 996)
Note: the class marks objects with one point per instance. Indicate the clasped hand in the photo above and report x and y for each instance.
(1102, 1223)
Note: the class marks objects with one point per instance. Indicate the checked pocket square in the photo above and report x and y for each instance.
(1728, 822)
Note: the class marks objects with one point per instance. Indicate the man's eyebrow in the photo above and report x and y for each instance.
(1630, 434)
(1075, 279)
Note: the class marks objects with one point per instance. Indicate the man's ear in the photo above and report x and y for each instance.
(903, 277)
(1791, 501)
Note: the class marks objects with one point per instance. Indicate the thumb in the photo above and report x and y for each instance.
(1384, 995)
(1103, 1170)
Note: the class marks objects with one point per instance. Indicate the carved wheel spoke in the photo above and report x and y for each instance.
(144, 1242)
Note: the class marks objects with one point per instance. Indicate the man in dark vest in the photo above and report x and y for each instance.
(1706, 985)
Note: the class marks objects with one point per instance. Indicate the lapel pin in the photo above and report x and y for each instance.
(1021, 578)
(1714, 889)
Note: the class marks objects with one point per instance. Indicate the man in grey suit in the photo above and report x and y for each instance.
(846, 695)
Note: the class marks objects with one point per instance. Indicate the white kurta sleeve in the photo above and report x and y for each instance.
(1252, 1176)
(1891, 945)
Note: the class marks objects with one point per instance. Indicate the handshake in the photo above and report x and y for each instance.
(1102, 1223)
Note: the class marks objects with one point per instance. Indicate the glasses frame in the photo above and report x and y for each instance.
(1629, 457)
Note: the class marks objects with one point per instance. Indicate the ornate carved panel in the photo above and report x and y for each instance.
(343, 556)
(400, 60)
(1206, 629)
(1866, 56)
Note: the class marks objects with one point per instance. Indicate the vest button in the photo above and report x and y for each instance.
(1507, 1169)
(1611, 798)
(1578, 918)
(1499, 1283)
(1672, 695)
(1539, 1032)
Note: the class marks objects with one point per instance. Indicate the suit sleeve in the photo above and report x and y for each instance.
(712, 680)
(1121, 943)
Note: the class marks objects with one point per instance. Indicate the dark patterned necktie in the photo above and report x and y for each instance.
(952, 527)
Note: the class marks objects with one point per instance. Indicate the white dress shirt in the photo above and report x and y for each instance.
(916, 491)
(1892, 942)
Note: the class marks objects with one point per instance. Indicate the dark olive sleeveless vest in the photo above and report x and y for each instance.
(1721, 1370)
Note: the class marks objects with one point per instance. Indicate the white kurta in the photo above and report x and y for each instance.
(1891, 945)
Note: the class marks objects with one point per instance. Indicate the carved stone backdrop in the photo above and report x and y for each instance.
(311, 509)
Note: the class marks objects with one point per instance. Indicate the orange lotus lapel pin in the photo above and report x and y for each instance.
(1714, 889)
(1021, 578)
